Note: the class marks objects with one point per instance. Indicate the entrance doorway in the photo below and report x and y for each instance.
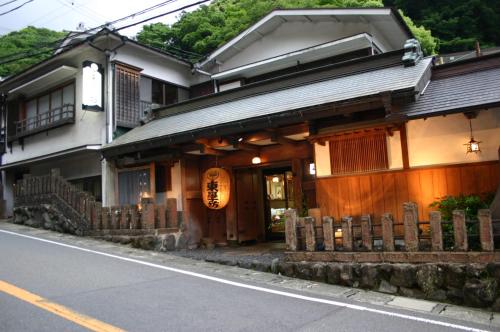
(279, 197)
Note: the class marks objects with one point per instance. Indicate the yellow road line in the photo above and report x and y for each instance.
(57, 309)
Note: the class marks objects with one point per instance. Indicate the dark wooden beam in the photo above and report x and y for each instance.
(404, 146)
(246, 147)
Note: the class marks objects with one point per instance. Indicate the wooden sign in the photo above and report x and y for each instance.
(216, 188)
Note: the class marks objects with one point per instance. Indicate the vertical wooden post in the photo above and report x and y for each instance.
(410, 220)
(291, 229)
(172, 213)
(436, 231)
(310, 233)
(97, 216)
(347, 233)
(115, 217)
(297, 182)
(105, 217)
(134, 217)
(485, 230)
(328, 233)
(124, 217)
(388, 232)
(366, 232)
(148, 214)
(404, 146)
(460, 230)
(162, 216)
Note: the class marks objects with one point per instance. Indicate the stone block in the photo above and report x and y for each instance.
(309, 223)
(410, 220)
(480, 292)
(366, 232)
(328, 234)
(436, 231)
(291, 229)
(403, 275)
(388, 232)
(485, 230)
(347, 239)
(460, 230)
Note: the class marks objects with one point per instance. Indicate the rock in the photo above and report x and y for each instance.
(480, 292)
(168, 242)
(304, 271)
(437, 295)
(148, 242)
(430, 278)
(245, 264)
(385, 271)
(116, 239)
(496, 306)
(286, 269)
(476, 271)
(125, 240)
(107, 237)
(454, 275)
(182, 241)
(387, 288)
(332, 273)
(261, 266)
(275, 265)
(347, 275)
(411, 292)
(135, 241)
(455, 295)
(319, 272)
(369, 276)
(208, 243)
(494, 271)
(403, 275)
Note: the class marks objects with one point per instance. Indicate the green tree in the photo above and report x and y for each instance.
(26, 41)
(203, 30)
(456, 23)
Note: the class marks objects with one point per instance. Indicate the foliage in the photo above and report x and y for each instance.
(210, 26)
(470, 205)
(29, 40)
(456, 23)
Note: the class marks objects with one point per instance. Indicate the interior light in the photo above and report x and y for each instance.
(240, 139)
(312, 168)
(256, 160)
(276, 179)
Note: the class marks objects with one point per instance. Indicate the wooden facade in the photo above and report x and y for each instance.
(381, 192)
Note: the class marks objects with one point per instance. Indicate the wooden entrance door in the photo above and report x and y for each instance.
(246, 202)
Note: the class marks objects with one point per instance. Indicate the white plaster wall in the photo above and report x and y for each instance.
(440, 140)
(322, 159)
(154, 65)
(394, 151)
(87, 130)
(293, 36)
(176, 191)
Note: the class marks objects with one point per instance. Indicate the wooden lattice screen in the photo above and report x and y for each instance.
(359, 152)
(127, 98)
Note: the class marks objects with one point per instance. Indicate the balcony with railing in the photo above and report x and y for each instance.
(43, 121)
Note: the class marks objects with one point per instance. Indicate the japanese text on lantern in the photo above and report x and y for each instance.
(216, 188)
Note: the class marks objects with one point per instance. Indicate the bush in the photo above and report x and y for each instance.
(470, 204)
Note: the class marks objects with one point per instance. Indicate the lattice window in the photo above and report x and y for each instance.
(359, 152)
(127, 98)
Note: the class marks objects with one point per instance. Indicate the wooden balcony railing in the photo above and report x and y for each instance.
(43, 121)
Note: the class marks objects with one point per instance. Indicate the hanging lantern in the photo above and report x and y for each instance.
(216, 188)
(472, 145)
(256, 160)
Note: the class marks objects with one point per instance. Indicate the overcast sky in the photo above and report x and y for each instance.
(67, 14)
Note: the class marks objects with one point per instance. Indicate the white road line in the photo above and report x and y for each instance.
(257, 288)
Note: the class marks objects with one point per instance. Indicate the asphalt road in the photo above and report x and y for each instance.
(141, 295)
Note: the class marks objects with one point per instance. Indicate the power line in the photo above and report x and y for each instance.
(8, 2)
(115, 30)
(16, 8)
(52, 44)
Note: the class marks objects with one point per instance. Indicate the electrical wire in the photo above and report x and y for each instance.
(16, 8)
(52, 44)
(102, 26)
(7, 3)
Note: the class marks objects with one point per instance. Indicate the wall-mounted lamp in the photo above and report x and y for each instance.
(312, 168)
(256, 160)
(472, 145)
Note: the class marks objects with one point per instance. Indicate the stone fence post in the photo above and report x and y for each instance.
(388, 232)
(485, 230)
(328, 233)
(347, 233)
(366, 232)
(436, 230)
(410, 220)
(310, 224)
(291, 229)
(460, 230)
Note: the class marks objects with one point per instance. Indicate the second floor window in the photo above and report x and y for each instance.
(47, 108)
